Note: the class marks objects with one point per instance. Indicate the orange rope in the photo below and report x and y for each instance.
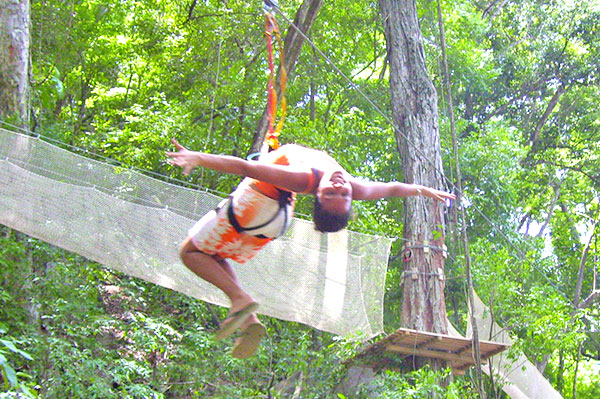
(271, 28)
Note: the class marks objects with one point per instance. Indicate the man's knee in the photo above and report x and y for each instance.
(186, 248)
(189, 253)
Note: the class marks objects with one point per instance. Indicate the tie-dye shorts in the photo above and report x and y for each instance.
(214, 234)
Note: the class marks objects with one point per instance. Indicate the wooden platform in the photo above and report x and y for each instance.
(405, 344)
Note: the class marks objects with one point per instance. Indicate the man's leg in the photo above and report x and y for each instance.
(252, 330)
(229, 270)
(217, 272)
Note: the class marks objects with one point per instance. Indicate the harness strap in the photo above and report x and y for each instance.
(315, 180)
(284, 201)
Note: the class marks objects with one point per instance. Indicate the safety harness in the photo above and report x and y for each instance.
(285, 200)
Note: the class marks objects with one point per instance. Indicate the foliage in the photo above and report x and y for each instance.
(120, 78)
(419, 384)
(14, 382)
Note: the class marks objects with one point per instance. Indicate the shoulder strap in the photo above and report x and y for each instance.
(316, 179)
(313, 181)
(232, 219)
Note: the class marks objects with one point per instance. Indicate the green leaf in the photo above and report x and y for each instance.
(9, 373)
(29, 393)
(11, 346)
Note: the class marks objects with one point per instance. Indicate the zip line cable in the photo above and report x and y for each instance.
(463, 227)
(417, 150)
(212, 104)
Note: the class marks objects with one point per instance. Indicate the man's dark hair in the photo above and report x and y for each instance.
(328, 222)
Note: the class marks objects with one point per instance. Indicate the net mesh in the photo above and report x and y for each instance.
(134, 223)
(519, 378)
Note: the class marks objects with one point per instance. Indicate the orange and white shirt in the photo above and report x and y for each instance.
(254, 203)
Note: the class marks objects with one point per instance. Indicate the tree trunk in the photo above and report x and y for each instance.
(305, 17)
(415, 115)
(14, 64)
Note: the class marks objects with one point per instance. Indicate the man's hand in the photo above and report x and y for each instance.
(436, 194)
(182, 157)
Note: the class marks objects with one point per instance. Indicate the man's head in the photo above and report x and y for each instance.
(333, 202)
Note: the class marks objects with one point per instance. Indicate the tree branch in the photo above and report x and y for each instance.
(525, 90)
(594, 178)
(579, 284)
(191, 11)
(493, 9)
(551, 105)
(552, 205)
(587, 302)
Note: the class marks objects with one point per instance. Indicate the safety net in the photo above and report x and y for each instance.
(511, 370)
(134, 223)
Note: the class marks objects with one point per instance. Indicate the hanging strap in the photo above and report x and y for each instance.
(271, 28)
(270, 4)
(272, 135)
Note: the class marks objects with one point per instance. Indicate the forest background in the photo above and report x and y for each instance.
(120, 78)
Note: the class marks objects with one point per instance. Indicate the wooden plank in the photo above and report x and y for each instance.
(424, 352)
(467, 347)
(456, 350)
(498, 349)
